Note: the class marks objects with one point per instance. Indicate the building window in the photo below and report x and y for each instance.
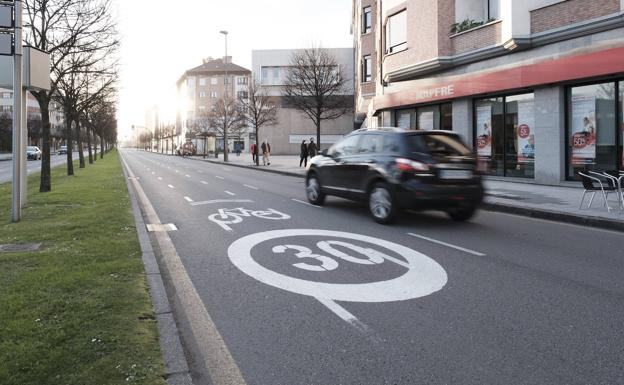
(214, 94)
(227, 80)
(214, 81)
(7, 108)
(431, 117)
(367, 19)
(505, 135)
(493, 9)
(396, 32)
(270, 76)
(202, 81)
(367, 69)
(190, 82)
(242, 95)
(202, 94)
(594, 140)
(242, 80)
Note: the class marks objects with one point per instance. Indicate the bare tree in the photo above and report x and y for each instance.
(226, 118)
(258, 110)
(63, 28)
(316, 86)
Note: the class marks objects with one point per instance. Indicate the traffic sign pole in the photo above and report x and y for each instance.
(19, 145)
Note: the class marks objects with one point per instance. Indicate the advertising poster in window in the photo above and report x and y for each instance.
(583, 130)
(484, 131)
(425, 120)
(526, 131)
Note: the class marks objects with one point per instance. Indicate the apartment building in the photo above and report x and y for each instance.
(270, 68)
(536, 86)
(198, 91)
(33, 114)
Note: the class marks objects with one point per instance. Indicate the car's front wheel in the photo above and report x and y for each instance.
(313, 190)
(381, 204)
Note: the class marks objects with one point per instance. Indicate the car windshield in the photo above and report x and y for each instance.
(437, 145)
(31, 148)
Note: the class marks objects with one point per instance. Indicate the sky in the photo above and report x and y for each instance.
(163, 39)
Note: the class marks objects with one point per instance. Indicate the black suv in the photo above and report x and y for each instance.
(394, 169)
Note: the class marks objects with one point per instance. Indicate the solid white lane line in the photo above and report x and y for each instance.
(188, 199)
(204, 182)
(251, 187)
(170, 186)
(219, 177)
(306, 203)
(348, 317)
(448, 245)
(230, 193)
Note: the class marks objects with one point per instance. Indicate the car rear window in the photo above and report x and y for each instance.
(436, 145)
(30, 148)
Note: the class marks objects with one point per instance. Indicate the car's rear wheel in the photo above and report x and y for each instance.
(313, 190)
(462, 214)
(381, 204)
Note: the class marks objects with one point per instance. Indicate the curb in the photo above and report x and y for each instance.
(607, 224)
(177, 370)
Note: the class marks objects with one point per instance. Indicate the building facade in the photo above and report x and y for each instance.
(270, 68)
(199, 89)
(536, 86)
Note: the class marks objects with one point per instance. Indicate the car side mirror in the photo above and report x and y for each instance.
(324, 152)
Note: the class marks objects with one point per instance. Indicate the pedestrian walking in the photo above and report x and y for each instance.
(312, 149)
(266, 153)
(254, 152)
(303, 154)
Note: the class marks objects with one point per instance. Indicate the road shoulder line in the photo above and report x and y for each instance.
(176, 367)
(216, 357)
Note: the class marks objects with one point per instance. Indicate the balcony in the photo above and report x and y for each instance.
(486, 35)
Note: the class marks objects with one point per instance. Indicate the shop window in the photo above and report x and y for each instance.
(520, 136)
(591, 128)
(446, 116)
(489, 135)
(621, 141)
(405, 119)
(428, 118)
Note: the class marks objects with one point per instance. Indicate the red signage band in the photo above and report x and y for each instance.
(599, 63)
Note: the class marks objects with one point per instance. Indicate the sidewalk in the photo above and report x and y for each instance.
(545, 202)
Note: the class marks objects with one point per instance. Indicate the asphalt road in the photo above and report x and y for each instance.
(6, 167)
(307, 295)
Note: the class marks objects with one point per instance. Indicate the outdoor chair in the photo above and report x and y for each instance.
(589, 183)
(617, 179)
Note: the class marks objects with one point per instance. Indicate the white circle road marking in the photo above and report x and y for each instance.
(424, 276)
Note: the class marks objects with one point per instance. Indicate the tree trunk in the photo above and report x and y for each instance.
(318, 135)
(102, 149)
(89, 144)
(45, 183)
(95, 145)
(79, 140)
(69, 139)
(257, 149)
(225, 144)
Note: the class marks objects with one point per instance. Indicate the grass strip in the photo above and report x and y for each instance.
(78, 311)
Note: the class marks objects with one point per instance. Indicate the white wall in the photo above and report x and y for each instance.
(516, 16)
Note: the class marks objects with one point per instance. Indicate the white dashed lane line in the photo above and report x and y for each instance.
(187, 175)
(448, 245)
(160, 178)
(204, 182)
(188, 199)
(219, 177)
(230, 193)
(170, 186)
(251, 187)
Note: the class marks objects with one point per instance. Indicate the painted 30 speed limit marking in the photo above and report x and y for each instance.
(423, 276)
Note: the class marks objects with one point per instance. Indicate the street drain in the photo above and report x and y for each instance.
(161, 227)
(16, 248)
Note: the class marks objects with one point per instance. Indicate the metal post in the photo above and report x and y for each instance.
(23, 158)
(19, 150)
(225, 100)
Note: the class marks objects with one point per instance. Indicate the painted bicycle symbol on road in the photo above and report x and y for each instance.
(226, 217)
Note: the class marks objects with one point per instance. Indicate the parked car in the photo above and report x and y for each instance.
(394, 169)
(33, 152)
(62, 150)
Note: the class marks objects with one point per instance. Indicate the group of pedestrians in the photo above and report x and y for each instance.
(307, 150)
(265, 147)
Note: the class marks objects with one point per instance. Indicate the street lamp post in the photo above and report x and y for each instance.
(225, 101)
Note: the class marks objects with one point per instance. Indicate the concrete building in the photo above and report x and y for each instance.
(536, 86)
(269, 70)
(198, 91)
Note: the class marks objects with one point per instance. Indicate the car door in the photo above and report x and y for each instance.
(364, 163)
(337, 174)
